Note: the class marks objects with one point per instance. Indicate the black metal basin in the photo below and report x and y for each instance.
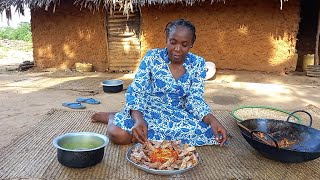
(112, 85)
(80, 149)
(306, 140)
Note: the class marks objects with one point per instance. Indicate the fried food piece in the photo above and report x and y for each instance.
(156, 144)
(186, 151)
(189, 164)
(184, 162)
(286, 143)
(166, 145)
(176, 145)
(139, 155)
(154, 165)
(148, 145)
(167, 164)
(194, 159)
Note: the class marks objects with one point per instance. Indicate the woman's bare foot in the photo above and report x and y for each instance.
(101, 117)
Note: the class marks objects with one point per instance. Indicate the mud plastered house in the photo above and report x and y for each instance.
(113, 35)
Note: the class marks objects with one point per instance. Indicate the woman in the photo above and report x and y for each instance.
(165, 99)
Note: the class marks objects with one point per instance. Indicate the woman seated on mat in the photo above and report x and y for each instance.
(165, 99)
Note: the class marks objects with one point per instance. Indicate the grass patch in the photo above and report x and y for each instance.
(22, 32)
(3, 48)
(2, 56)
(14, 41)
(3, 51)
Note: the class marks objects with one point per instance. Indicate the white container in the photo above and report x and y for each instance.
(211, 70)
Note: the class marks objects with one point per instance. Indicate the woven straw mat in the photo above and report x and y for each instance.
(32, 156)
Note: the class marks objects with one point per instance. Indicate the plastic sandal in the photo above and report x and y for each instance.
(74, 105)
(88, 100)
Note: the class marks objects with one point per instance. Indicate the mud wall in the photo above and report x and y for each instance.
(67, 36)
(249, 35)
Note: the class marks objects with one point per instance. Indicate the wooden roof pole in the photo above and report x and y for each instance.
(316, 54)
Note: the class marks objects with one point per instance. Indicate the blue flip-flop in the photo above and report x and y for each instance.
(74, 105)
(88, 100)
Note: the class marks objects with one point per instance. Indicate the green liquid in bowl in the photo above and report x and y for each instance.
(81, 142)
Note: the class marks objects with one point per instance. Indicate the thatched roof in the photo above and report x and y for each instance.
(126, 5)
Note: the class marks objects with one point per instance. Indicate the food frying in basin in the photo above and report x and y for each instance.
(283, 141)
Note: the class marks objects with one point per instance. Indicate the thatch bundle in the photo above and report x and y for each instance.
(125, 5)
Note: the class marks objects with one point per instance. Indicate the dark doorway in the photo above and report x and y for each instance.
(307, 29)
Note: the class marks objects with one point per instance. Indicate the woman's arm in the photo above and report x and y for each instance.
(216, 127)
(137, 97)
(198, 107)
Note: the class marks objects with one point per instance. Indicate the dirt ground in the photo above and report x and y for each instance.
(25, 97)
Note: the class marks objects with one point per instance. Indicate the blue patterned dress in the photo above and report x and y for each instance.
(172, 108)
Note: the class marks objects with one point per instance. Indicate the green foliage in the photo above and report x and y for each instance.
(22, 32)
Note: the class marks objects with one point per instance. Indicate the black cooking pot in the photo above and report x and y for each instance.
(80, 149)
(112, 85)
(267, 136)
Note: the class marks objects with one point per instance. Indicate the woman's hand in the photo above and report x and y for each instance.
(220, 133)
(140, 129)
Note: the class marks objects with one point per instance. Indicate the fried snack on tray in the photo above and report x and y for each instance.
(165, 155)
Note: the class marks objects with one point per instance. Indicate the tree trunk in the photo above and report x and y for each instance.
(316, 55)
